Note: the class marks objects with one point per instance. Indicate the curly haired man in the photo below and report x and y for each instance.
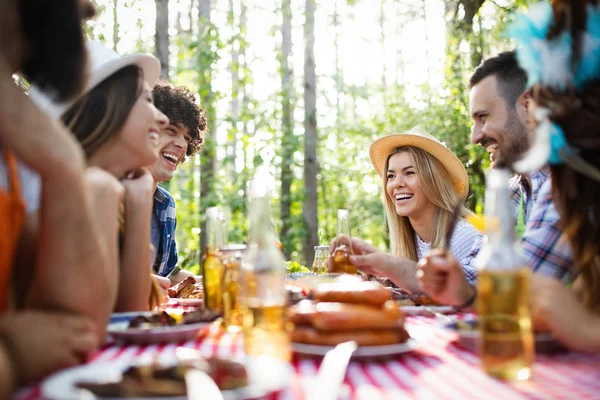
(182, 138)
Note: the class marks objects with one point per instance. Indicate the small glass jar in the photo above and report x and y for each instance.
(319, 265)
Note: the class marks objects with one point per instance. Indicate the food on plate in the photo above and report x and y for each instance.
(186, 289)
(295, 267)
(362, 337)
(159, 319)
(153, 320)
(159, 381)
(350, 310)
(352, 292)
(340, 316)
(295, 294)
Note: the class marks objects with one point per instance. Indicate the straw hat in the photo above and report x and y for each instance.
(417, 137)
(102, 63)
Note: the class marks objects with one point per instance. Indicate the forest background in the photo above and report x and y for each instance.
(304, 87)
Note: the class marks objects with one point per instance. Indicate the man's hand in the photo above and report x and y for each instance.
(442, 278)
(43, 342)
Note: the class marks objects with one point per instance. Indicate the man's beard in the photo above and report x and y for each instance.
(516, 141)
(56, 55)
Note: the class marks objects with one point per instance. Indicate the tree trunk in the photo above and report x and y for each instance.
(115, 24)
(310, 136)
(208, 156)
(161, 36)
(287, 124)
(235, 99)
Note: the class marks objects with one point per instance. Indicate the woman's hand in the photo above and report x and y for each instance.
(43, 342)
(139, 188)
(443, 278)
(366, 257)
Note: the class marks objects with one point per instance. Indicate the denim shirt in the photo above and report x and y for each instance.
(166, 248)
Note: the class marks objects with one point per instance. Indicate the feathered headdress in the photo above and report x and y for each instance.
(562, 54)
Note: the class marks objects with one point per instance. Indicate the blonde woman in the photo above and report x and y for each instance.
(422, 182)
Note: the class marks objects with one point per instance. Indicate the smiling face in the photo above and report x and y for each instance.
(172, 146)
(403, 187)
(141, 132)
(500, 128)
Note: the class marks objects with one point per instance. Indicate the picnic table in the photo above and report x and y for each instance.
(439, 370)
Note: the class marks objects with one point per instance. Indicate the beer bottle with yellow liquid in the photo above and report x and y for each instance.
(340, 258)
(262, 295)
(507, 345)
(212, 264)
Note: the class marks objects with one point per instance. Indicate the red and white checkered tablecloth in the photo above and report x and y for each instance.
(439, 370)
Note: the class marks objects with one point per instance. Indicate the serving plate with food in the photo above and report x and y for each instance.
(159, 327)
(253, 377)
(350, 310)
(468, 335)
(187, 292)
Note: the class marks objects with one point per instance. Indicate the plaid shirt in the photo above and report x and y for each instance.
(166, 249)
(543, 245)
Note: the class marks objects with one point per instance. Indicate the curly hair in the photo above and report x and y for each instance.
(179, 104)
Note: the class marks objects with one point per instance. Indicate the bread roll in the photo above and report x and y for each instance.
(352, 292)
(340, 316)
(365, 337)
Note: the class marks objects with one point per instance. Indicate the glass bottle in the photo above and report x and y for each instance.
(212, 264)
(340, 259)
(262, 281)
(319, 265)
(232, 258)
(507, 345)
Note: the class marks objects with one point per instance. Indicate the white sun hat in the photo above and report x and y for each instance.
(417, 137)
(102, 62)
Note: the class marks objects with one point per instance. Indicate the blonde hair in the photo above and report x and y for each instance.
(439, 190)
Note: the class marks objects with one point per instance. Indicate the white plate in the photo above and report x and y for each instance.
(419, 337)
(426, 310)
(187, 302)
(361, 351)
(265, 375)
(119, 330)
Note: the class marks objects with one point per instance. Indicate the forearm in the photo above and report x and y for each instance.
(7, 375)
(403, 273)
(584, 335)
(135, 283)
(73, 273)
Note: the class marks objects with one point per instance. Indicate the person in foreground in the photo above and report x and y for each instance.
(422, 183)
(118, 127)
(53, 270)
(566, 106)
(182, 138)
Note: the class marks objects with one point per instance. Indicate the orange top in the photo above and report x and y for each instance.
(12, 214)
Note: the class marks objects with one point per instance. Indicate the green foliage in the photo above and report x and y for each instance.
(346, 179)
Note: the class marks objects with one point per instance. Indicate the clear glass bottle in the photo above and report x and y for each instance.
(319, 265)
(507, 344)
(340, 259)
(232, 258)
(262, 281)
(212, 263)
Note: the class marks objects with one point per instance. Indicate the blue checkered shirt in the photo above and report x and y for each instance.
(166, 249)
(543, 245)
